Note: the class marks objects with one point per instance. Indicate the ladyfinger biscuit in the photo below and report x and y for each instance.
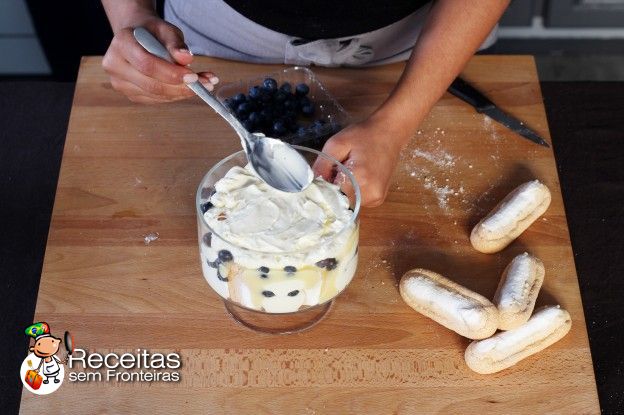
(517, 291)
(448, 303)
(507, 348)
(512, 216)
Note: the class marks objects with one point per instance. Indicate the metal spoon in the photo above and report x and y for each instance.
(274, 161)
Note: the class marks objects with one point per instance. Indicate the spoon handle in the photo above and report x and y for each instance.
(153, 46)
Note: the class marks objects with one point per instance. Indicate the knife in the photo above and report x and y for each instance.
(466, 92)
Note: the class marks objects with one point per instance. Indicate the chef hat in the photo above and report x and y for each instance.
(38, 330)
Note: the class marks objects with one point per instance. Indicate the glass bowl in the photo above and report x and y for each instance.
(285, 291)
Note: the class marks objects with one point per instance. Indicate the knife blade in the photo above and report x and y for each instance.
(469, 94)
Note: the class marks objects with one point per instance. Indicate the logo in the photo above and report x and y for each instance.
(42, 372)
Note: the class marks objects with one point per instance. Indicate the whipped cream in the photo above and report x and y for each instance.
(250, 214)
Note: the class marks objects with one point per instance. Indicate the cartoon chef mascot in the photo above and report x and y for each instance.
(45, 348)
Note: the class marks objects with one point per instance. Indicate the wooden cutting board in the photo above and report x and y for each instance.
(129, 170)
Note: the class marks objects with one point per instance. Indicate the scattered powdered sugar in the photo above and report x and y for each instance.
(489, 127)
(150, 237)
(430, 168)
(443, 193)
(439, 158)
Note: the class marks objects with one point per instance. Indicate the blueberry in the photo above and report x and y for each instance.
(303, 101)
(249, 125)
(266, 95)
(290, 115)
(327, 263)
(290, 269)
(219, 276)
(264, 276)
(205, 206)
(264, 270)
(270, 83)
(293, 293)
(225, 255)
(302, 89)
(207, 192)
(255, 118)
(266, 114)
(268, 293)
(308, 110)
(319, 129)
(290, 104)
(280, 96)
(243, 110)
(255, 92)
(239, 98)
(302, 131)
(286, 87)
(230, 103)
(279, 128)
(278, 109)
(207, 238)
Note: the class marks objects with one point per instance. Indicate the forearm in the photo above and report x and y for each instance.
(127, 13)
(453, 32)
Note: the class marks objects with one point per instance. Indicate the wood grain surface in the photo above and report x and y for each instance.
(129, 170)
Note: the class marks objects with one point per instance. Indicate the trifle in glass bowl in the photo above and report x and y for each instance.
(277, 259)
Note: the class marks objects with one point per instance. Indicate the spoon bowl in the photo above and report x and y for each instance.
(274, 161)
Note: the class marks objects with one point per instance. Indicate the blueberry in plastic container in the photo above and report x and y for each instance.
(270, 84)
(266, 114)
(230, 103)
(302, 132)
(319, 127)
(255, 92)
(308, 110)
(279, 128)
(266, 94)
(280, 96)
(249, 125)
(286, 87)
(239, 98)
(302, 89)
(290, 104)
(243, 110)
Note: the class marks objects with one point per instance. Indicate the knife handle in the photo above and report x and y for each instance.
(466, 92)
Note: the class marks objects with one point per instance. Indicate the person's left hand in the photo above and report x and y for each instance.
(370, 150)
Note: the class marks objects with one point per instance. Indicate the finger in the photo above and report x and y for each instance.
(173, 39)
(372, 193)
(182, 56)
(142, 99)
(324, 167)
(208, 77)
(344, 182)
(148, 64)
(129, 89)
(149, 86)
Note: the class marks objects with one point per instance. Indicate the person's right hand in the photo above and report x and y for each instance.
(148, 79)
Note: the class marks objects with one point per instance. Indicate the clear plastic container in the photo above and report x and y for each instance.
(277, 292)
(327, 109)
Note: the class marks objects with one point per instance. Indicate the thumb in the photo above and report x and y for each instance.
(173, 39)
(325, 167)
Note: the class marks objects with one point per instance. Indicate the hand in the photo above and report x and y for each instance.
(370, 150)
(145, 78)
